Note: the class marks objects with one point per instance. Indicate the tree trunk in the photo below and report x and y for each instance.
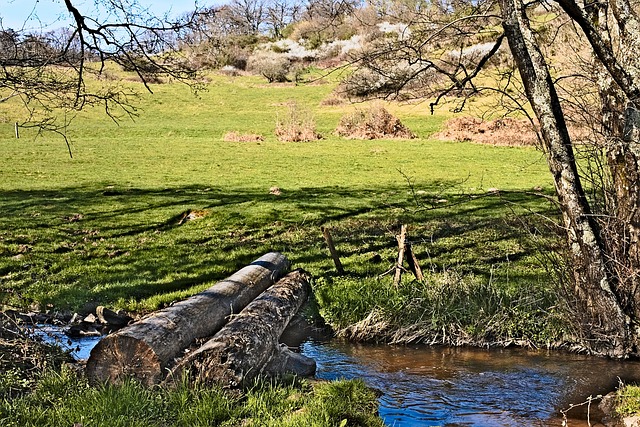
(248, 345)
(620, 227)
(608, 326)
(146, 348)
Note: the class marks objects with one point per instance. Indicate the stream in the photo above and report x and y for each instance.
(441, 386)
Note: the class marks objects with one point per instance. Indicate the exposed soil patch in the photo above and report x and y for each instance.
(190, 215)
(505, 132)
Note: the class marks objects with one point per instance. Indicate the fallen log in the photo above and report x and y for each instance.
(145, 349)
(248, 345)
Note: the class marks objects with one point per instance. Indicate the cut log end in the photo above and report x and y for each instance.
(118, 357)
(145, 349)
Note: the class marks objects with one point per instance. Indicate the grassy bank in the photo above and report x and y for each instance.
(62, 398)
(40, 386)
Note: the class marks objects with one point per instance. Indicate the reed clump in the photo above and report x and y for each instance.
(297, 125)
(447, 309)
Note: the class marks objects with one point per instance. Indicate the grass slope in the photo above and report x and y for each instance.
(106, 227)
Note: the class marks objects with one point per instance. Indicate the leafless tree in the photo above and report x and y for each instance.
(249, 15)
(281, 13)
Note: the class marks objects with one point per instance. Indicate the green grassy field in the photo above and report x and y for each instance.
(108, 227)
(65, 399)
(104, 227)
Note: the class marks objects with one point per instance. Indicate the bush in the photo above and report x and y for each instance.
(229, 70)
(271, 66)
(297, 125)
(218, 52)
(505, 131)
(374, 123)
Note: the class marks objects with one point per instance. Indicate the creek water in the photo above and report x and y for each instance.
(455, 387)
(439, 386)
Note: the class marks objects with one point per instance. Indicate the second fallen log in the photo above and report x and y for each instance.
(248, 345)
(145, 349)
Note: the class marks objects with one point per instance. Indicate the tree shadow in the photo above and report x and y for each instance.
(72, 245)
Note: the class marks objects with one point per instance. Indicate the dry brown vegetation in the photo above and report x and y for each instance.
(23, 357)
(297, 125)
(506, 131)
(374, 123)
(333, 100)
(242, 137)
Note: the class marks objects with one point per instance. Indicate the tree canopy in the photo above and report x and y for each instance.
(47, 71)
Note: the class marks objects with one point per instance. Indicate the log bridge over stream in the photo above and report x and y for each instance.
(228, 334)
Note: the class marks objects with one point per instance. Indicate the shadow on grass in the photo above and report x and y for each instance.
(122, 246)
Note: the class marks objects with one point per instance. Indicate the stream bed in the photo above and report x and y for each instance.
(442, 386)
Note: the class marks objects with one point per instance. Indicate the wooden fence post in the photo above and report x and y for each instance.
(413, 263)
(401, 245)
(332, 250)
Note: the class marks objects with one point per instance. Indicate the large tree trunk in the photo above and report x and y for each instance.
(620, 127)
(248, 345)
(608, 326)
(146, 348)
(620, 225)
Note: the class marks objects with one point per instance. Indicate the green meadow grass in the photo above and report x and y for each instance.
(107, 227)
(104, 227)
(64, 399)
(627, 401)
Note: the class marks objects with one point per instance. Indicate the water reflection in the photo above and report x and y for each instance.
(78, 348)
(425, 386)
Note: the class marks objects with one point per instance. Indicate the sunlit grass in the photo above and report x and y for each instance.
(64, 399)
(104, 226)
(628, 400)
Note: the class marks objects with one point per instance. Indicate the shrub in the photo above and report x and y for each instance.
(271, 66)
(217, 51)
(374, 123)
(229, 70)
(333, 100)
(505, 131)
(297, 126)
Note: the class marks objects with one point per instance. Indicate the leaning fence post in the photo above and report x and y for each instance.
(401, 240)
(332, 250)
